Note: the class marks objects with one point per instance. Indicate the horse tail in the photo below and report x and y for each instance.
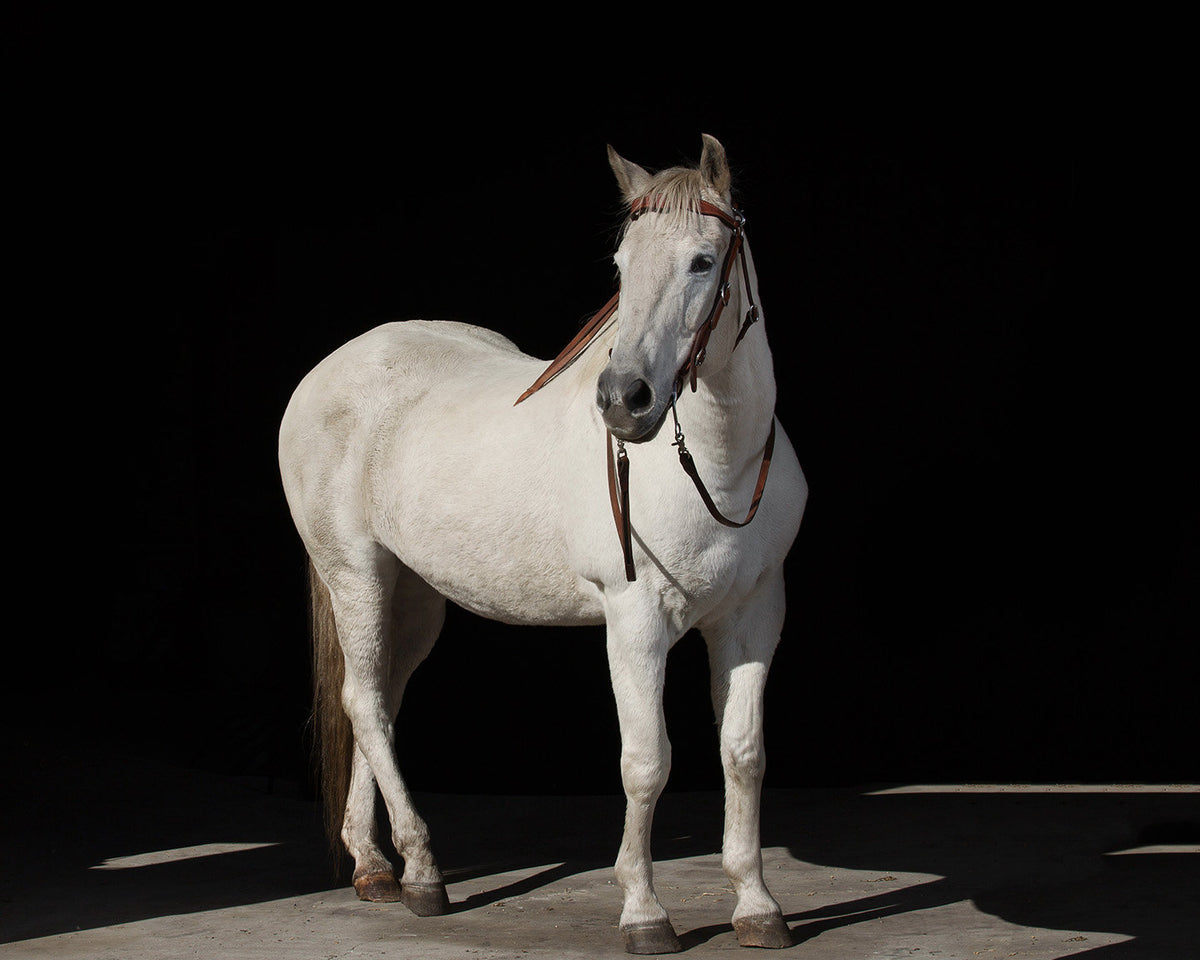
(333, 737)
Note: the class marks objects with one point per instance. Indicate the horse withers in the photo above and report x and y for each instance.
(426, 461)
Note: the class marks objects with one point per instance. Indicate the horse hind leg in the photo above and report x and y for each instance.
(374, 876)
(386, 631)
(418, 615)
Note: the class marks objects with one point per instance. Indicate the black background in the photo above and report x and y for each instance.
(967, 278)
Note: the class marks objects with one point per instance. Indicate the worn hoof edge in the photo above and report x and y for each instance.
(377, 887)
(425, 899)
(657, 937)
(765, 931)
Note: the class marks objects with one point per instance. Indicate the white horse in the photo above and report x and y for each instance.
(413, 478)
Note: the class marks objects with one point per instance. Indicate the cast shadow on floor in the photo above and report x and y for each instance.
(1038, 860)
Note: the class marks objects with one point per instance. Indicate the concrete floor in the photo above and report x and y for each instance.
(110, 857)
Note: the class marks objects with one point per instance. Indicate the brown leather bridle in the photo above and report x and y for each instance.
(737, 223)
(618, 466)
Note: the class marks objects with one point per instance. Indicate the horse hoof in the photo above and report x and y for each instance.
(377, 887)
(657, 937)
(425, 899)
(765, 931)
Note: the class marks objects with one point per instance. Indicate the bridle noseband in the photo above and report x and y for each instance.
(618, 466)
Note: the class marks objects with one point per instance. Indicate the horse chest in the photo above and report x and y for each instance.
(694, 562)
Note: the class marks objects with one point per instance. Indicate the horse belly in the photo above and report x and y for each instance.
(509, 597)
(498, 563)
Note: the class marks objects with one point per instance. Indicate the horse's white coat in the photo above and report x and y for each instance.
(412, 477)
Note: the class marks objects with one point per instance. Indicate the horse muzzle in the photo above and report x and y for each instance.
(630, 407)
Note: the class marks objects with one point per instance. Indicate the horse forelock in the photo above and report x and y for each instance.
(676, 192)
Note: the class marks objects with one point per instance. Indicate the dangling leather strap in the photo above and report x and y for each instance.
(752, 314)
(618, 495)
(618, 490)
(689, 466)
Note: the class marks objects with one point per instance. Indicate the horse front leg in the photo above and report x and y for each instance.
(740, 648)
(637, 664)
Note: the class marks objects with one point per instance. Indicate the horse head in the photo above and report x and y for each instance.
(674, 268)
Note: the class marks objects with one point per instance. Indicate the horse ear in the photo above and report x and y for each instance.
(714, 165)
(632, 179)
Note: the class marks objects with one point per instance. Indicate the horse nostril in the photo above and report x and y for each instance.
(603, 400)
(638, 397)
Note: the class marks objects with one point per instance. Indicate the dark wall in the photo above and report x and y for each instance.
(995, 576)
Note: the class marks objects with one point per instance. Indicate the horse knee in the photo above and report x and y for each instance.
(644, 772)
(743, 758)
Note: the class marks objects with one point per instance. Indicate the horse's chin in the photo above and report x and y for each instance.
(638, 435)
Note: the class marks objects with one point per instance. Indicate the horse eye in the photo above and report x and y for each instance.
(702, 263)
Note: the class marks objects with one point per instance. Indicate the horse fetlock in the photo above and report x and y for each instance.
(421, 871)
(753, 897)
(410, 836)
(641, 910)
(368, 858)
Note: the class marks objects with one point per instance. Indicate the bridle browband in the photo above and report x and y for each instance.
(618, 466)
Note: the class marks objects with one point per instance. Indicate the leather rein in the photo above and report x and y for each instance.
(618, 465)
